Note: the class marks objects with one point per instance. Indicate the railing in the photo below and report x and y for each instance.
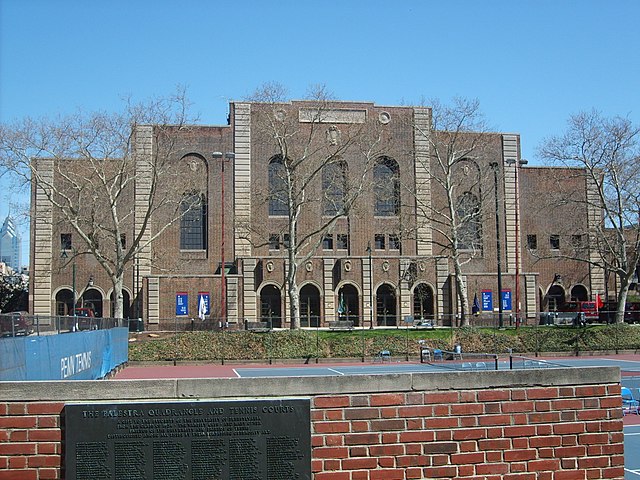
(19, 324)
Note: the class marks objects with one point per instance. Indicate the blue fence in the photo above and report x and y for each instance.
(87, 355)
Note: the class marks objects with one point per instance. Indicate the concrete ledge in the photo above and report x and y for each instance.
(191, 388)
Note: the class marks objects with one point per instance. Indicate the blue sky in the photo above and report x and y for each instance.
(531, 64)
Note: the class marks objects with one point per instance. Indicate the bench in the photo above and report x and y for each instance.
(258, 326)
(341, 325)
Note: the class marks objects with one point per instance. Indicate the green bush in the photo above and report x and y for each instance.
(300, 344)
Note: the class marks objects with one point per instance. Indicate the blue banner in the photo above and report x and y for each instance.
(506, 300)
(88, 355)
(182, 304)
(487, 300)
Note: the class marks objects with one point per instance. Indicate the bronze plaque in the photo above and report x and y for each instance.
(209, 440)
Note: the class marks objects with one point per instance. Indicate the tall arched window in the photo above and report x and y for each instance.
(334, 187)
(469, 222)
(278, 205)
(193, 224)
(386, 178)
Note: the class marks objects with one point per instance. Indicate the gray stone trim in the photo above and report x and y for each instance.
(250, 300)
(594, 221)
(232, 299)
(443, 287)
(329, 292)
(422, 146)
(510, 154)
(531, 295)
(43, 240)
(405, 289)
(242, 178)
(368, 294)
(153, 299)
(205, 388)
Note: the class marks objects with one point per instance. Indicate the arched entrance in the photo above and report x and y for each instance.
(386, 309)
(126, 304)
(423, 304)
(271, 306)
(92, 298)
(555, 298)
(64, 302)
(348, 304)
(579, 293)
(309, 306)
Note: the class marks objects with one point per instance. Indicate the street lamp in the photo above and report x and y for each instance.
(223, 290)
(370, 285)
(521, 163)
(494, 167)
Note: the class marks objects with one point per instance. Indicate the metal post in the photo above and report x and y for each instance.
(223, 280)
(494, 166)
(370, 285)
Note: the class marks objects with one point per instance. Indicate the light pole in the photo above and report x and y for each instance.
(494, 166)
(521, 163)
(370, 285)
(223, 289)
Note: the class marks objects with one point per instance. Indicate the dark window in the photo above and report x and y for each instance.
(379, 241)
(334, 186)
(285, 240)
(554, 242)
(193, 224)
(327, 242)
(65, 241)
(274, 241)
(123, 240)
(469, 222)
(277, 188)
(342, 241)
(394, 242)
(387, 187)
(532, 242)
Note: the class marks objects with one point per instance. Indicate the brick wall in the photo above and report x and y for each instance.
(554, 424)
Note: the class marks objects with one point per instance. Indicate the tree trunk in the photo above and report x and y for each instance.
(463, 296)
(118, 307)
(622, 298)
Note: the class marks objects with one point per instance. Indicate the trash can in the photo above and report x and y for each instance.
(136, 325)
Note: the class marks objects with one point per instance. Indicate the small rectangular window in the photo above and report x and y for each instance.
(342, 241)
(554, 242)
(274, 241)
(65, 241)
(123, 240)
(380, 241)
(327, 242)
(394, 242)
(532, 242)
(286, 240)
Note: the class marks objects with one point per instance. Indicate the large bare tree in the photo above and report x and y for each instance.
(606, 152)
(317, 173)
(458, 143)
(87, 165)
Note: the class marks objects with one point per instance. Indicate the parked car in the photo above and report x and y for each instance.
(15, 324)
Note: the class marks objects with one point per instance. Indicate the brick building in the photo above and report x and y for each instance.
(377, 266)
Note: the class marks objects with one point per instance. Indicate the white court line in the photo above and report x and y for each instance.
(336, 371)
(634, 472)
(237, 373)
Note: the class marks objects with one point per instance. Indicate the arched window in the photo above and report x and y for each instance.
(309, 306)
(423, 302)
(278, 205)
(348, 304)
(271, 306)
(386, 178)
(193, 224)
(469, 222)
(334, 188)
(386, 306)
